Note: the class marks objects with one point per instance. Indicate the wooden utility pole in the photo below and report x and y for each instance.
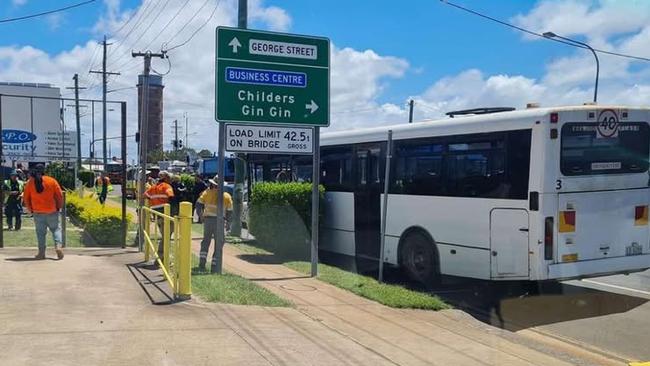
(143, 129)
(104, 86)
(76, 88)
(411, 103)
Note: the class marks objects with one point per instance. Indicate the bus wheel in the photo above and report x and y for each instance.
(418, 258)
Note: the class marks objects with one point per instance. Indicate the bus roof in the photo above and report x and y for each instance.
(501, 121)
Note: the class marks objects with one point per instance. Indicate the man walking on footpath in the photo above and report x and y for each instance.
(44, 199)
(13, 206)
(102, 187)
(208, 202)
(159, 195)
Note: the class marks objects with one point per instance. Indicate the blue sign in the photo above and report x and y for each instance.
(240, 75)
(17, 136)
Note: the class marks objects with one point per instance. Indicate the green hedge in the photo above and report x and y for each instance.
(87, 177)
(102, 224)
(280, 217)
(63, 175)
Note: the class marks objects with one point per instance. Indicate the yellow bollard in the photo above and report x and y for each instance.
(184, 251)
(145, 225)
(166, 235)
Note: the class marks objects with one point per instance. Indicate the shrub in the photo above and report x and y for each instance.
(103, 224)
(280, 217)
(87, 177)
(63, 175)
(189, 181)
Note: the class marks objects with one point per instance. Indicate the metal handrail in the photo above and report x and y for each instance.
(177, 272)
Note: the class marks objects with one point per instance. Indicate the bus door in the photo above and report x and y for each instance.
(509, 242)
(367, 205)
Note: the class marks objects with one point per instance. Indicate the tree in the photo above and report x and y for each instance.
(205, 153)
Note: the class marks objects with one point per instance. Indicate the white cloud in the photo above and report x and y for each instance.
(54, 21)
(360, 79)
(18, 2)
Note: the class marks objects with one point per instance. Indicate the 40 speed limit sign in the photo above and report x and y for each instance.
(269, 139)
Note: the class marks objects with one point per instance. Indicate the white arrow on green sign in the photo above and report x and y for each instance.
(266, 77)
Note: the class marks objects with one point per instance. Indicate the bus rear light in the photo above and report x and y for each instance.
(548, 238)
(555, 118)
(572, 257)
(567, 222)
(641, 215)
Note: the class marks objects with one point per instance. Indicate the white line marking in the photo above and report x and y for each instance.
(617, 287)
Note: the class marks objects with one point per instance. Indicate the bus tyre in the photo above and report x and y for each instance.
(419, 259)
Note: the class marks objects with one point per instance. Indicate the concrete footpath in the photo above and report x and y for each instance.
(404, 336)
(100, 307)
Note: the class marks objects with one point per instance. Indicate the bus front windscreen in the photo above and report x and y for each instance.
(588, 151)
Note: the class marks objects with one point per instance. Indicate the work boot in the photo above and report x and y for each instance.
(40, 255)
(201, 265)
(59, 252)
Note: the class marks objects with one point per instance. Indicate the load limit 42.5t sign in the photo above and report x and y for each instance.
(265, 77)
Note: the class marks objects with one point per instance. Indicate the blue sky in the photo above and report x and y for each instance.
(436, 39)
(385, 52)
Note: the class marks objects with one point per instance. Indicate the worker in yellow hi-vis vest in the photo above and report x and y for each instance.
(208, 200)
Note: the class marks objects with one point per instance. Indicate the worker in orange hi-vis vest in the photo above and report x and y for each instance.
(158, 195)
(42, 197)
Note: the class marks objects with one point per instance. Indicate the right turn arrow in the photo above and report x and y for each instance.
(313, 107)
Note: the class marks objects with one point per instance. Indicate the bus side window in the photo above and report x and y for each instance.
(518, 163)
(336, 168)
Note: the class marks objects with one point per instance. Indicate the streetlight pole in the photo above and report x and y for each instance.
(552, 35)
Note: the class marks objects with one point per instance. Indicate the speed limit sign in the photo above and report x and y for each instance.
(607, 124)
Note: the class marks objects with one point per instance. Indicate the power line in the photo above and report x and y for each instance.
(214, 11)
(153, 20)
(46, 12)
(168, 23)
(135, 24)
(187, 23)
(528, 31)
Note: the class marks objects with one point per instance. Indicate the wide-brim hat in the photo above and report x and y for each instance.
(214, 180)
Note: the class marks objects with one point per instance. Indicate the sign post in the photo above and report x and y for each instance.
(272, 96)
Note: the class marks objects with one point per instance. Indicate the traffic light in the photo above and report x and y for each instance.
(175, 144)
(180, 144)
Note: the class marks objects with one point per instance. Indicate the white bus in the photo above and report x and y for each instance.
(535, 194)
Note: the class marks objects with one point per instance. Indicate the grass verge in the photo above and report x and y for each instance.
(387, 294)
(26, 236)
(228, 288)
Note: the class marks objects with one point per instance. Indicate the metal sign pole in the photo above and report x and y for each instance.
(315, 201)
(2, 179)
(389, 153)
(217, 259)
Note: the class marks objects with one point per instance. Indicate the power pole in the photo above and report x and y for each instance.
(411, 103)
(142, 131)
(104, 85)
(76, 107)
(176, 144)
(187, 142)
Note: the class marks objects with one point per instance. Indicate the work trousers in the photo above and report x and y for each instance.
(43, 222)
(14, 211)
(210, 224)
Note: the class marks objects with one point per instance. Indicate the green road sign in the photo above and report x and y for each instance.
(265, 77)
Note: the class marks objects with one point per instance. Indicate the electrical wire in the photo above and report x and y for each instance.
(168, 23)
(168, 70)
(214, 11)
(187, 23)
(7, 20)
(135, 25)
(524, 30)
